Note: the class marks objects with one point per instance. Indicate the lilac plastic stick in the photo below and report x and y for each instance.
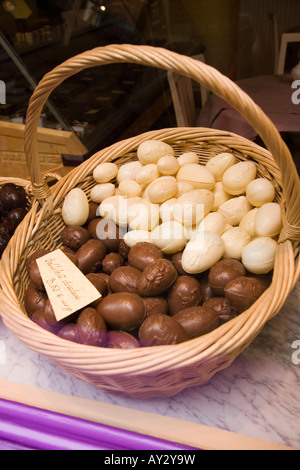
(44, 430)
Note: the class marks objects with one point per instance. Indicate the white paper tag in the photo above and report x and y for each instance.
(67, 287)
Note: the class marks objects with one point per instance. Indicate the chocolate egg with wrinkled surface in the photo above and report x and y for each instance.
(159, 330)
(186, 292)
(222, 307)
(111, 262)
(142, 254)
(157, 278)
(243, 291)
(197, 321)
(155, 305)
(122, 311)
(74, 237)
(223, 272)
(125, 279)
(91, 328)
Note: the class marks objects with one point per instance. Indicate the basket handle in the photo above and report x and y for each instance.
(208, 76)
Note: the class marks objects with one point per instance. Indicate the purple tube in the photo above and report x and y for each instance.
(26, 427)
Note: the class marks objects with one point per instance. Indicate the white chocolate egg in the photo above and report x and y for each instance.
(102, 191)
(168, 165)
(75, 209)
(218, 164)
(268, 220)
(105, 172)
(202, 252)
(235, 209)
(213, 222)
(128, 171)
(197, 175)
(169, 237)
(188, 157)
(260, 191)
(237, 177)
(146, 174)
(193, 206)
(151, 151)
(130, 188)
(235, 240)
(162, 189)
(259, 256)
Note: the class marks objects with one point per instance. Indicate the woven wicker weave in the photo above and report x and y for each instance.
(163, 370)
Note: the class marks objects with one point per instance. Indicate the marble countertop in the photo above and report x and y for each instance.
(258, 396)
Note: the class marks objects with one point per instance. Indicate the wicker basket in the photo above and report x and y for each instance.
(162, 370)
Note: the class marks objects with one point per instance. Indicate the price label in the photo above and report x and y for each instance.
(68, 289)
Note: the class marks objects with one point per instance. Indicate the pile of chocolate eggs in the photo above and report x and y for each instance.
(176, 248)
(13, 209)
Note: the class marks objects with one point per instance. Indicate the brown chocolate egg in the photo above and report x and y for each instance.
(186, 292)
(90, 256)
(223, 272)
(111, 262)
(12, 196)
(142, 254)
(35, 277)
(33, 269)
(197, 321)
(157, 278)
(125, 279)
(17, 215)
(91, 328)
(69, 332)
(34, 299)
(122, 311)
(66, 250)
(155, 305)
(75, 237)
(243, 291)
(222, 307)
(98, 281)
(159, 329)
(106, 231)
(121, 340)
(105, 278)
